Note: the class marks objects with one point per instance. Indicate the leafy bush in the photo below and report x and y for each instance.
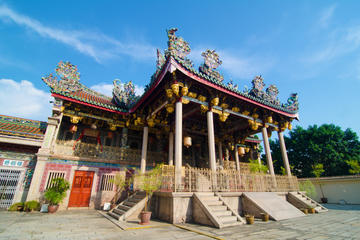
(255, 167)
(354, 166)
(55, 194)
(15, 206)
(150, 182)
(308, 187)
(32, 206)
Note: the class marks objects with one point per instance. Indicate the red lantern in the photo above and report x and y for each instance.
(73, 128)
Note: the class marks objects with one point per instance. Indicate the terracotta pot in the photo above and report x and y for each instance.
(145, 217)
(265, 217)
(53, 208)
(249, 219)
(311, 210)
(305, 211)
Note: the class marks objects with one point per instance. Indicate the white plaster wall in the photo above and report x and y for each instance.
(337, 190)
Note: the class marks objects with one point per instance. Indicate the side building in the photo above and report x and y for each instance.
(20, 140)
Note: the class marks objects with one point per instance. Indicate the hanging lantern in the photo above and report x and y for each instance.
(247, 149)
(73, 128)
(110, 135)
(93, 126)
(241, 151)
(187, 141)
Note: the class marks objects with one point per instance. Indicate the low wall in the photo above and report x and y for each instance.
(178, 207)
(343, 189)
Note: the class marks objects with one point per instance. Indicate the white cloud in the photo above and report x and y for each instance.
(95, 45)
(23, 99)
(340, 42)
(326, 16)
(106, 89)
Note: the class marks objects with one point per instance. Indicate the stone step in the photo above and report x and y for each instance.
(218, 208)
(226, 219)
(139, 197)
(123, 207)
(232, 223)
(214, 203)
(130, 204)
(209, 198)
(119, 211)
(222, 213)
(114, 215)
(201, 194)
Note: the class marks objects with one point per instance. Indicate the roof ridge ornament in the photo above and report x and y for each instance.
(69, 78)
(211, 62)
(178, 47)
(124, 94)
(292, 103)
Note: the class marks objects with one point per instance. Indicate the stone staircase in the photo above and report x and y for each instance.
(300, 200)
(217, 210)
(131, 206)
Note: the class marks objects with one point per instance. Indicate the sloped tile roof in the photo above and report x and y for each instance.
(21, 127)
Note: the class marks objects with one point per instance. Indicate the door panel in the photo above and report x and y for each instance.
(81, 189)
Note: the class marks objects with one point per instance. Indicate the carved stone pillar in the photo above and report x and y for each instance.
(267, 151)
(211, 140)
(144, 149)
(284, 154)
(221, 160)
(171, 148)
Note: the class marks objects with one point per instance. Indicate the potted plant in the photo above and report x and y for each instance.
(31, 206)
(55, 194)
(149, 182)
(249, 218)
(264, 217)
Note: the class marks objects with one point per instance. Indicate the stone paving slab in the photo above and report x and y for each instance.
(340, 222)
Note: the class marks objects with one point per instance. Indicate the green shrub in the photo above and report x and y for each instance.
(255, 167)
(57, 192)
(308, 187)
(15, 206)
(32, 206)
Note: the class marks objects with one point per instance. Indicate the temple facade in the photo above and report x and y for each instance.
(200, 127)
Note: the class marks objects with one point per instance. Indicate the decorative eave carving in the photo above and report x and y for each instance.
(124, 94)
(211, 62)
(66, 79)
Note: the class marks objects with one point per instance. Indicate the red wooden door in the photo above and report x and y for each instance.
(81, 189)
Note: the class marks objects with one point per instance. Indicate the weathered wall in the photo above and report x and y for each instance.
(337, 189)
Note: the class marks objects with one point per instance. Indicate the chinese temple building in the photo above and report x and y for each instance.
(201, 128)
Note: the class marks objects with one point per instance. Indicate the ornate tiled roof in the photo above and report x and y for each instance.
(179, 49)
(21, 127)
(66, 82)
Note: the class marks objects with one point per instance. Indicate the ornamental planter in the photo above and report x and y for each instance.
(53, 208)
(249, 219)
(304, 210)
(311, 210)
(264, 217)
(145, 217)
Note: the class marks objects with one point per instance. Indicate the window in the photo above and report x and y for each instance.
(53, 175)
(88, 139)
(108, 141)
(107, 182)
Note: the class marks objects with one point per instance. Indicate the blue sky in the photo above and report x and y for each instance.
(308, 47)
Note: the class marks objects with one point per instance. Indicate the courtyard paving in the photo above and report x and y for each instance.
(340, 222)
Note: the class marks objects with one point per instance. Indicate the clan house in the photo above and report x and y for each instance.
(203, 130)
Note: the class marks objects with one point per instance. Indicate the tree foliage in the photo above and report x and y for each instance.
(327, 145)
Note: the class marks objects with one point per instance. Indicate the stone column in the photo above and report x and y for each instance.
(211, 140)
(171, 148)
(267, 151)
(42, 157)
(284, 154)
(221, 161)
(237, 159)
(178, 143)
(144, 149)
